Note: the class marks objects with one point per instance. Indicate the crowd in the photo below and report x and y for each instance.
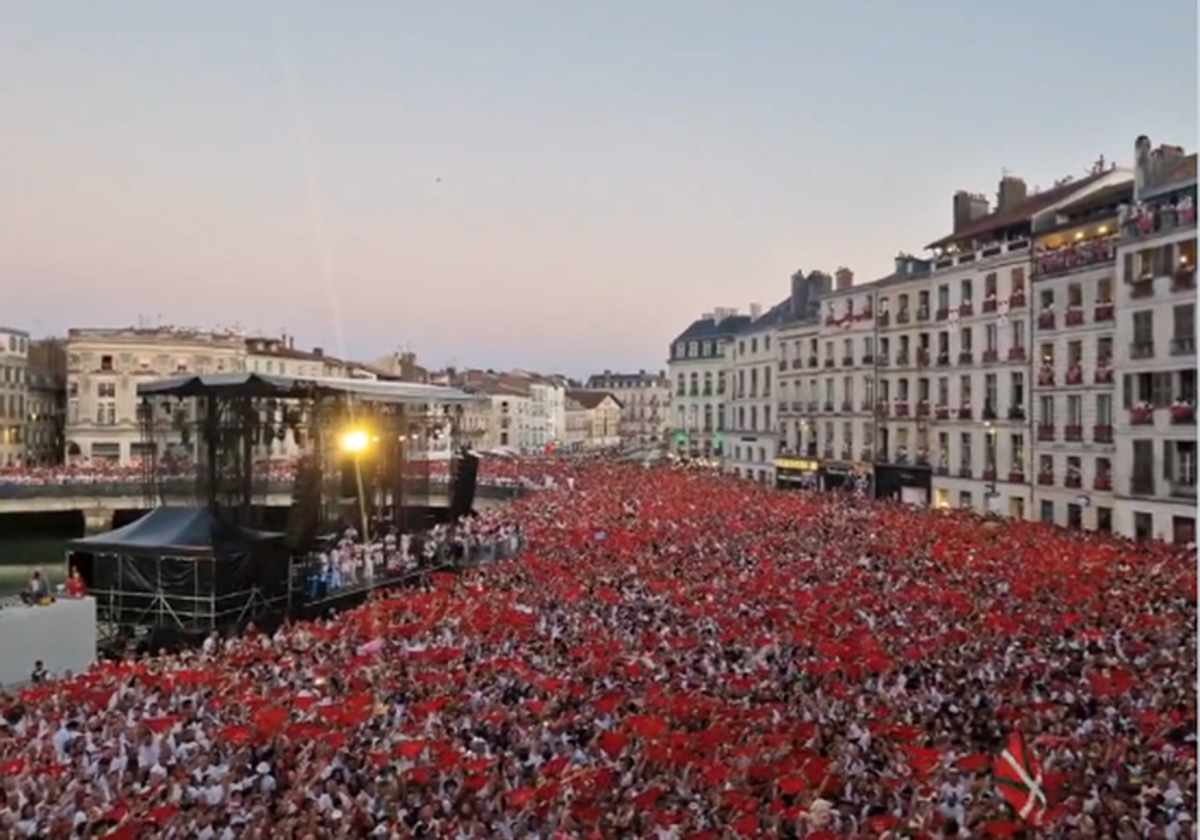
(673, 655)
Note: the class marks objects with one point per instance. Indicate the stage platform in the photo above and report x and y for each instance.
(62, 635)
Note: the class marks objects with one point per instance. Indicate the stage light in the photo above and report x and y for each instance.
(355, 441)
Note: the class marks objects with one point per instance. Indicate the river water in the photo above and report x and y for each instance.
(20, 555)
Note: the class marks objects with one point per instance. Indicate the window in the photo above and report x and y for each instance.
(964, 445)
(828, 390)
(964, 500)
(1104, 410)
(1187, 253)
(966, 339)
(1018, 334)
(943, 297)
(1142, 480)
(1074, 352)
(847, 348)
(1046, 411)
(1017, 389)
(1017, 280)
(1104, 290)
(1143, 526)
(753, 346)
(1074, 410)
(1179, 463)
(1153, 389)
(1047, 510)
(1104, 350)
(106, 413)
(1183, 528)
(964, 390)
(989, 285)
(1143, 327)
(766, 343)
(706, 349)
(990, 392)
(943, 390)
(848, 388)
(1074, 516)
(902, 304)
(923, 390)
(1047, 353)
(922, 304)
(1017, 445)
(106, 363)
(902, 389)
(693, 349)
(991, 338)
(1104, 520)
(106, 390)
(1074, 295)
(680, 385)
(966, 292)
(1183, 338)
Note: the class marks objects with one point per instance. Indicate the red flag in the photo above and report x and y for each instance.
(1017, 773)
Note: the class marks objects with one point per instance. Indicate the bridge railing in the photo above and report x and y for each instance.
(184, 487)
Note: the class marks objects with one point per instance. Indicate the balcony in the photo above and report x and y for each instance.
(988, 412)
(811, 406)
(884, 360)
(1184, 279)
(902, 358)
(1141, 350)
(797, 406)
(812, 362)
(965, 471)
(882, 408)
(991, 356)
(1183, 346)
(828, 364)
(901, 408)
(1017, 413)
(1016, 354)
(1045, 375)
(1073, 433)
(1103, 374)
(1046, 320)
(942, 469)
(1045, 479)
(847, 361)
(868, 359)
(1159, 217)
(831, 321)
(883, 319)
(1102, 434)
(923, 408)
(1016, 476)
(1141, 287)
(827, 406)
(1103, 311)
(966, 357)
(922, 313)
(827, 453)
(1074, 374)
(1141, 415)
(943, 313)
(847, 406)
(943, 359)
(1102, 481)
(797, 364)
(1082, 254)
(989, 473)
(1045, 432)
(1183, 414)
(966, 309)
(922, 357)
(1017, 299)
(989, 303)
(941, 412)
(1074, 316)
(1073, 480)
(965, 412)
(902, 317)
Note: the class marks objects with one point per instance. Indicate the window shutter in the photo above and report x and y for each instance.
(1129, 268)
(1127, 391)
(1162, 390)
(1168, 460)
(1168, 260)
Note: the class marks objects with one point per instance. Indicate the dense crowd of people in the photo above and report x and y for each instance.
(673, 655)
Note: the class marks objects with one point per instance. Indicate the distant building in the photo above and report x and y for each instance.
(14, 367)
(45, 402)
(593, 420)
(697, 367)
(645, 399)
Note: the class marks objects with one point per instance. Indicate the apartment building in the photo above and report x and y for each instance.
(979, 341)
(1074, 285)
(45, 403)
(753, 424)
(104, 367)
(593, 420)
(14, 391)
(697, 367)
(645, 399)
(1155, 350)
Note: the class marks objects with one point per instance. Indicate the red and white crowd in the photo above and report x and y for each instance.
(674, 655)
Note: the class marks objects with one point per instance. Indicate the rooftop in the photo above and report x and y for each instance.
(292, 387)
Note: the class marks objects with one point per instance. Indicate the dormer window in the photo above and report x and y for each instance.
(680, 350)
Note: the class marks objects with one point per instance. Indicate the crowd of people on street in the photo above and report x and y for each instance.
(673, 654)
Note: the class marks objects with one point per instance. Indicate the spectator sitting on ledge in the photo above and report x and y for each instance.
(76, 588)
(36, 593)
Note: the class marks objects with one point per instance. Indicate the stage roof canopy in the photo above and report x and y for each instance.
(177, 532)
(293, 387)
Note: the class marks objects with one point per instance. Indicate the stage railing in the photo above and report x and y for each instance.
(186, 487)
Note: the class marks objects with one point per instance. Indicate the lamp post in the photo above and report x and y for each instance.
(990, 454)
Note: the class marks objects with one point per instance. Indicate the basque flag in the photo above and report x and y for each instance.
(1018, 777)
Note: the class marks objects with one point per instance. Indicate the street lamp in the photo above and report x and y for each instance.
(990, 453)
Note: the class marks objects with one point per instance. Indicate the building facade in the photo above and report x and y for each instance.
(698, 369)
(45, 402)
(593, 420)
(752, 419)
(1155, 350)
(14, 394)
(104, 367)
(645, 399)
(1073, 323)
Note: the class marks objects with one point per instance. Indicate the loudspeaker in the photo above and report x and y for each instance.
(462, 492)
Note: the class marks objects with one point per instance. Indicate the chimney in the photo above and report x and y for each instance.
(318, 352)
(968, 208)
(755, 311)
(844, 277)
(1011, 193)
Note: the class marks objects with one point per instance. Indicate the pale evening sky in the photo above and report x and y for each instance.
(608, 170)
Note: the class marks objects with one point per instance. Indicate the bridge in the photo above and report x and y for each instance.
(98, 501)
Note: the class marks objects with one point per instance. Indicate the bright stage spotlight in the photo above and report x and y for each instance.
(355, 441)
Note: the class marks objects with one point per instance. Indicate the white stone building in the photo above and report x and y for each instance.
(14, 395)
(752, 421)
(1074, 287)
(548, 413)
(979, 343)
(104, 367)
(645, 399)
(698, 369)
(1155, 350)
